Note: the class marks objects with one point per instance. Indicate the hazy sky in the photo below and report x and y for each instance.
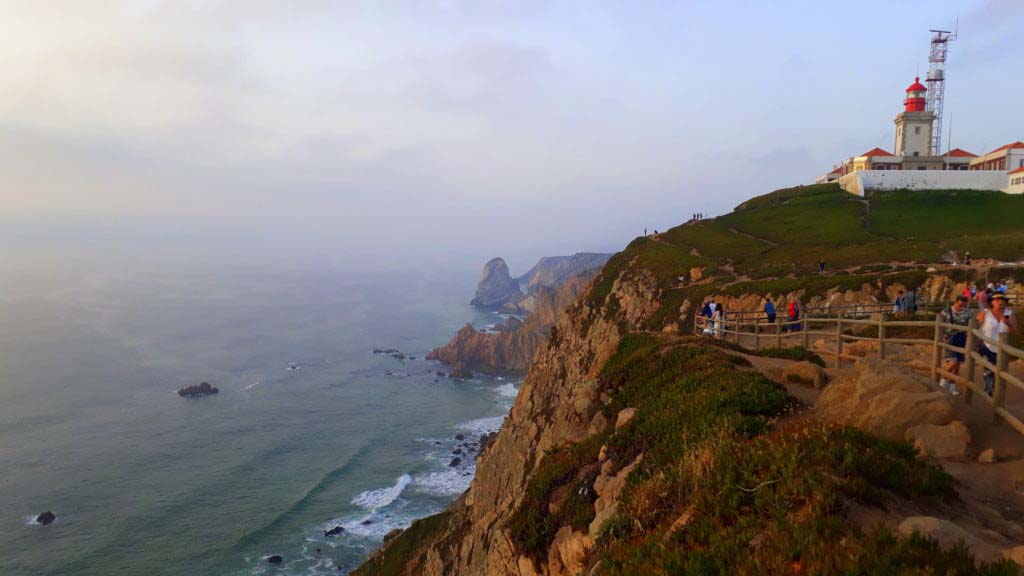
(375, 134)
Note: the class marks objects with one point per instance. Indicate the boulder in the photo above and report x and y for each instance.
(197, 390)
(274, 559)
(884, 399)
(460, 370)
(625, 415)
(334, 531)
(46, 518)
(987, 456)
(949, 441)
(1015, 554)
(496, 286)
(806, 373)
(455, 462)
(942, 531)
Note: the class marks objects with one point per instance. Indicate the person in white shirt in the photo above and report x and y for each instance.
(994, 321)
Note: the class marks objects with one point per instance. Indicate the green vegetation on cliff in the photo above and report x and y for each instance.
(727, 483)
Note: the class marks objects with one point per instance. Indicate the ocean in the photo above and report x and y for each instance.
(311, 429)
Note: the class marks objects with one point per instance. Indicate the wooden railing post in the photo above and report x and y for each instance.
(737, 335)
(881, 335)
(969, 347)
(757, 335)
(839, 342)
(807, 337)
(1002, 363)
(936, 350)
(778, 332)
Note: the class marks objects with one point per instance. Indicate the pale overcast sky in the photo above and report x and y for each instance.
(369, 135)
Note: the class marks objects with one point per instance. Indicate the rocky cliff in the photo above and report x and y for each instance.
(553, 270)
(496, 286)
(513, 344)
(631, 450)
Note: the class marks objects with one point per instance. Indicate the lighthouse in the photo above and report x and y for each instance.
(914, 128)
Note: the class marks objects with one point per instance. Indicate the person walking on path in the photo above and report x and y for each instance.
(982, 298)
(910, 302)
(899, 304)
(793, 313)
(769, 310)
(821, 267)
(994, 321)
(957, 314)
(717, 318)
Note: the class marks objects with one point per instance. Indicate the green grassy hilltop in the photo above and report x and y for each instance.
(772, 243)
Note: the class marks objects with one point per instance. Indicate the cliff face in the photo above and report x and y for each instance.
(496, 286)
(563, 412)
(553, 270)
(513, 347)
(557, 403)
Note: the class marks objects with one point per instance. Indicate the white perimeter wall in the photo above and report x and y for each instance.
(861, 180)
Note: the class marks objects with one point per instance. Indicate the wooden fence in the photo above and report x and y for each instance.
(838, 329)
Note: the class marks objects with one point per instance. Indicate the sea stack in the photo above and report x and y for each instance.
(496, 286)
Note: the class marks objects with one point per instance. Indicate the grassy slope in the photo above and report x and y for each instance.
(757, 497)
(777, 239)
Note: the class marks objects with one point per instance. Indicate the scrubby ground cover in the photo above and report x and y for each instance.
(728, 481)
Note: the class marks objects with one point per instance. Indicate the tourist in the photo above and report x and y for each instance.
(910, 302)
(974, 290)
(1002, 287)
(769, 310)
(993, 322)
(717, 319)
(821, 267)
(793, 312)
(981, 298)
(899, 304)
(967, 258)
(960, 315)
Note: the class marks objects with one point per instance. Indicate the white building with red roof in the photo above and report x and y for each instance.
(916, 168)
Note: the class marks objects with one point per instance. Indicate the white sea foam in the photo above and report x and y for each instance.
(507, 390)
(374, 499)
(251, 386)
(447, 483)
(483, 425)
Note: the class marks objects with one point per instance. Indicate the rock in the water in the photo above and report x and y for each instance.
(460, 370)
(949, 441)
(460, 437)
(439, 374)
(196, 390)
(46, 518)
(455, 462)
(334, 531)
(496, 286)
(942, 531)
(274, 559)
(457, 451)
(884, 399)
(366, 522)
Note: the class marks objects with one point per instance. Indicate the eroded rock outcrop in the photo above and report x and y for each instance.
(884, 399)
(496, 286)
(511, 347)
(557, 403)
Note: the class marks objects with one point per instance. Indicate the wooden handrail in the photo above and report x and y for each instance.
(745, 327)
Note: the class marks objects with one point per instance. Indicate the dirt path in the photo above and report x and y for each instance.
(752, 237)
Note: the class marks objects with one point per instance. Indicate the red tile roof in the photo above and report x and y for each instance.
(1008, 146)
(876, 152)
(960, 153)
(1017, 171)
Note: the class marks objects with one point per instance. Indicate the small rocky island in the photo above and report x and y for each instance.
(46, 518)
(198, 390)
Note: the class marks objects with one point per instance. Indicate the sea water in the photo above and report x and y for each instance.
(311, 429)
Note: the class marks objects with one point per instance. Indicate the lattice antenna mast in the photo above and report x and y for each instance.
(936, 81)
